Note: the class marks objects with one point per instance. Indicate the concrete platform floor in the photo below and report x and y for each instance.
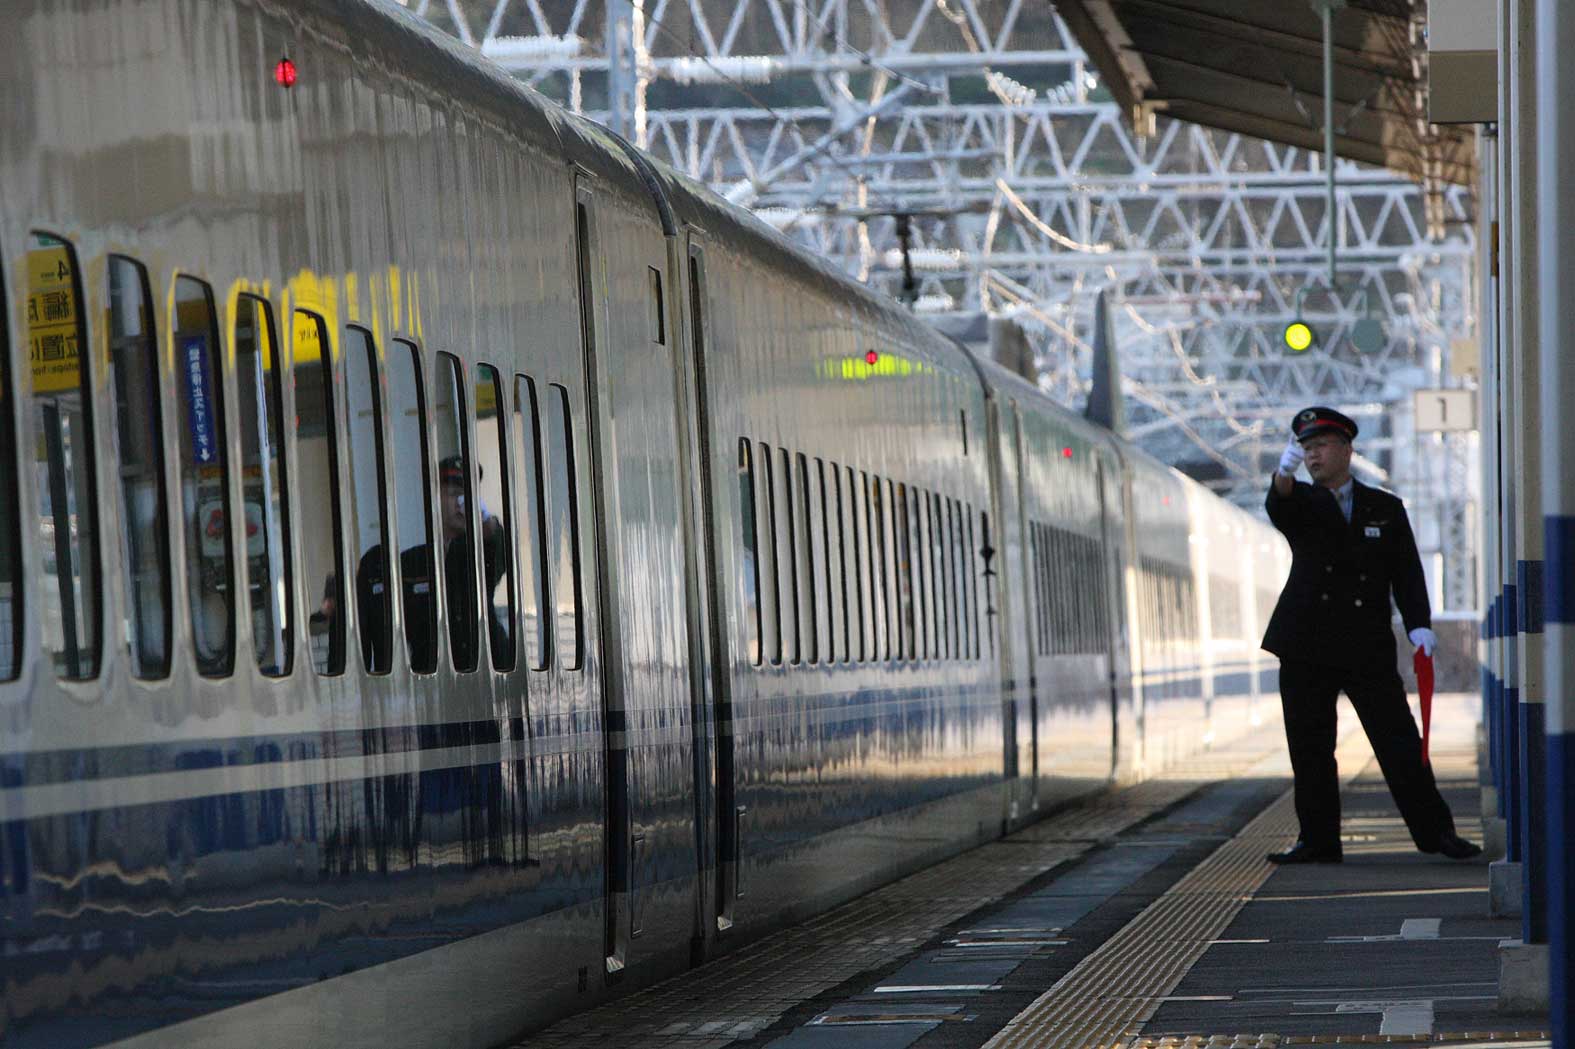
(1144, 919)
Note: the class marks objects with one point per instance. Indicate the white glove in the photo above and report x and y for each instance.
(1291, 458)
(1424, 639)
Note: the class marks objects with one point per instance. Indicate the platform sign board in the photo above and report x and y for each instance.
(1445, 411)
(52, 321)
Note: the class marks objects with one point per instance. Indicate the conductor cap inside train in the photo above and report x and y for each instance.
(1311, 422)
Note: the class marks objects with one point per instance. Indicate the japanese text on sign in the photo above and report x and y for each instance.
(199, 400)
(51, 321)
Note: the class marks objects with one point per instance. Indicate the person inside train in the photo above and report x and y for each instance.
(458, 559)
(1351, 546)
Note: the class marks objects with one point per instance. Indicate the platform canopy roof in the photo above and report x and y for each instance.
(1256, 67)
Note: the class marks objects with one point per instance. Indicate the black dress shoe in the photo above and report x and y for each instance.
(1302, 852)
(1458, 848)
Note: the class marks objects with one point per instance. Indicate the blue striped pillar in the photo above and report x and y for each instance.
(1513, 800)
(1533, 754)
(1559, 661)
(1555, 42)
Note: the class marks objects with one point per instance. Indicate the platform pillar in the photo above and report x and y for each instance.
(1526, 423)
(1505, 424)
(1555, 43)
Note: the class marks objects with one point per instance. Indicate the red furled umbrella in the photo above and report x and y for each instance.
(1424, 686)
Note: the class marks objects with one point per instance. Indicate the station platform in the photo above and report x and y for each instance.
(1143, 918)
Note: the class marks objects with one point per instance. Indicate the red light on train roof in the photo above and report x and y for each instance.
(870, 357)
(1066, 453)
(284, 72)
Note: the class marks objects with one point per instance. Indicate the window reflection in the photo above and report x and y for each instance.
(369, 539)
(565, 526)
(459, 559)
(318, 482)
(204, 468)
(492, 490)
(63, 458)
(144, 523)
(261, 414)
(531, 525)
(412, 522)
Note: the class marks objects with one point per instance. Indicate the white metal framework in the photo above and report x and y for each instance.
(1025, 194)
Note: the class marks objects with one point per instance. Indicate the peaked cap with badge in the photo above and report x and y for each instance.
(1312, 421)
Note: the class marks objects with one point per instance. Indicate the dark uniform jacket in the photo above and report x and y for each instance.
(1334, 609)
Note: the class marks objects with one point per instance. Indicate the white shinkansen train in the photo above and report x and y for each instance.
(725, 589)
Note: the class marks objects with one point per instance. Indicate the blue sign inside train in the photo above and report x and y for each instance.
(199, 400)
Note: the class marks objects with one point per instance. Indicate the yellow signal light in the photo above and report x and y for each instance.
(1298, 336)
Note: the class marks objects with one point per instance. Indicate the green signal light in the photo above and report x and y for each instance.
(1298, 336)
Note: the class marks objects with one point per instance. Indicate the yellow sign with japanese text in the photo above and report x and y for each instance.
(52, 321)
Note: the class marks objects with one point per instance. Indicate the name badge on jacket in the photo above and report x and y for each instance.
(1372, 532)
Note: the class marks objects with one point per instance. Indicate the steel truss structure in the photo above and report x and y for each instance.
(978, 125)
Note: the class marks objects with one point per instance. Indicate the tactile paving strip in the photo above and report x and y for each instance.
(741, 994)
(1106, 998)
(1274, 1041)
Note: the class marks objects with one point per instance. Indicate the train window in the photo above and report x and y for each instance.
(750, 557)
(955, 581)
(410, 483)
(902, 524)
(919, 546)
(658, 320)
(859, 596)
(880, 599)
(960, 561)
(496, 519)
(564, 515)
(454, 495)
(531, 524)
(260, 412)
(368, 524)
(973, 585)
(889, 519)
(808, 600)
(770, 592)
(787, 525)
(317, 479)
(869, 520)
(10, 537)
(1041, 587)
(145, 550)
(967, 595)
(837, 564)
(204, 473)
(63, 424)
(943, 648)
(825, 603)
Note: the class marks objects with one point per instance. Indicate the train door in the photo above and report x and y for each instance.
(716, 797)
(1111, 547)
(616, 825)
(1025, 573)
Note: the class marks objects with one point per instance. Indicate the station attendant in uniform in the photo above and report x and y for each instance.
(1351, 545)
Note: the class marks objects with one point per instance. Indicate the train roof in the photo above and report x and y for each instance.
(430, 55)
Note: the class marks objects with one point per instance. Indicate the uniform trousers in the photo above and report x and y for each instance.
(1308, 692)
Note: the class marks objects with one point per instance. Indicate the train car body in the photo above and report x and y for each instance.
(724, 590)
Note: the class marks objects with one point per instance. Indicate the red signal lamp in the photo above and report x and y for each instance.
(1066, 453)
(284, 72)
(870, 357)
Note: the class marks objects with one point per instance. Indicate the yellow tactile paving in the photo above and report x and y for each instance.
(1275, 1041)
(1104, 1000)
